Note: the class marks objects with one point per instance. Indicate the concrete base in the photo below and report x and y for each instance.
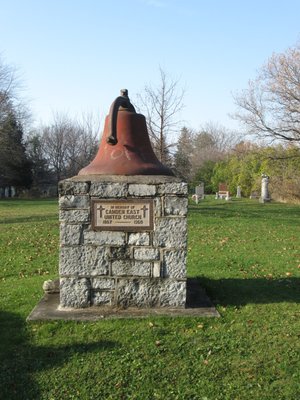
(197, 305)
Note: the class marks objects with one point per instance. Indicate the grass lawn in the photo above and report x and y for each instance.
(247, 257)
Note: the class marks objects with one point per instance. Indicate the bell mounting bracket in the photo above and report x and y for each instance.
(121, 103)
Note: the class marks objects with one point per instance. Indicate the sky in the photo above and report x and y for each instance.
(74, 56)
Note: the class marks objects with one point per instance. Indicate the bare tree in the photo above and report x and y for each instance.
(7, 86)
(88, 132)
(224, 139)
(270, 107)
(55, 144)
(162, 104)
(212, 143)
(10, 98)
(69, 145)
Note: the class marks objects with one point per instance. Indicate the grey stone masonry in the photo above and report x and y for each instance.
(123, 268)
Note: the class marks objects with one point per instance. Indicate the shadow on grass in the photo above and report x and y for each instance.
(20, 359)
(17, 202)
(239, 292)
(33, 218)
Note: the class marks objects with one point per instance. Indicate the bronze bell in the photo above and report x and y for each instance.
(125, 147)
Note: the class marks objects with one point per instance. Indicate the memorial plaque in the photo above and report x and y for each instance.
(122, 215)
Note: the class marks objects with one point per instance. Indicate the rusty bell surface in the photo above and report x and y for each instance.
(125, 147)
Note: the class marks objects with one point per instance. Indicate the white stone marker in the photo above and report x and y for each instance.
(199, 191)
(264, 189)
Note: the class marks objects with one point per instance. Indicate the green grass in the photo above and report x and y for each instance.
(245, 254)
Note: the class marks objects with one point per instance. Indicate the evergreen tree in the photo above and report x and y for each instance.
(15, 167)
(183, 155)
(205, 174)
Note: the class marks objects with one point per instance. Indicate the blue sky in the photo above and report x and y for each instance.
(75, 55)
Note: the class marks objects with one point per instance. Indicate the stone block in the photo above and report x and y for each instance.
(170, 232)
(74, 216)
(51, 286)
(157, 208)
(104, 238)
(150, 293)
(137, 293)
(146, 253)
(70, 234)
(174, 205)
(83, 261)
(156, 272)
(69, 187)
(174, 263)
(173, 188)
(102, 298)
(172, 293)
(74, 293)
(130, 268)
(108, 190)
(141, 190)
(120, 252)
(139, 239)
(142, 268)
(71, 201)
(103, 283)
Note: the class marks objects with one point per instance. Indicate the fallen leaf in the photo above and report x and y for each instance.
(225, 240)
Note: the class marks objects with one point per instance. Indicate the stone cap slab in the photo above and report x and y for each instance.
(146, 179)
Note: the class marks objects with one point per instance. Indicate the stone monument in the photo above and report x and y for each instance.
(199, 191)
(223, 192)
(238, 192)
(195, 198)
(265, 196)
(123, 225)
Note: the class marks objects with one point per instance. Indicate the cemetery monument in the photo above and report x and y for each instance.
(265, 196)
(199, 191)
(123, 223)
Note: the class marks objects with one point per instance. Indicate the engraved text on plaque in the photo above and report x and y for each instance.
(127, 215)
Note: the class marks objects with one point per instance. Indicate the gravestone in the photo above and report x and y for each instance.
(123, 235)
(195, 198)
(265, 196)
(199, 191)
(223, 192)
